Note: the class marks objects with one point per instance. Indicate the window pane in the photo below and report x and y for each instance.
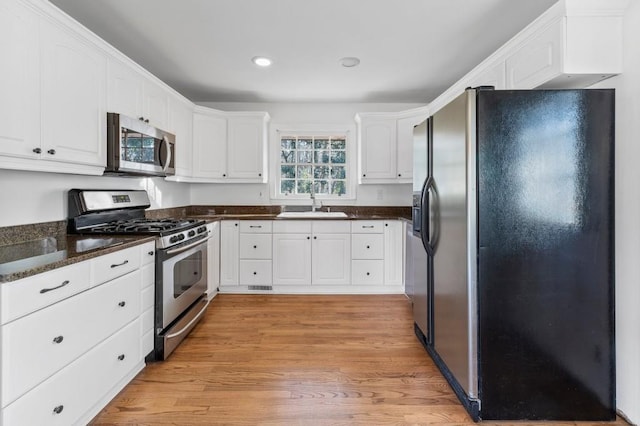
(304, 187)
(304, 172)
(305, 156)
(321, 187)
(321, 156)
(321, 172)
(288, 171)
(321, 144)
(305, 143)
(288, 143)
(338, 144)
(338, 157)
(287, 156)
(338, 187)
(287, 186)
(338, 172)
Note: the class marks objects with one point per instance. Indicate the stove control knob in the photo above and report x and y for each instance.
(192, 233)
(181, 237)
(202, 229)
(173, 239)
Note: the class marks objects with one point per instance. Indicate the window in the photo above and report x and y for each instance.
(313, 163)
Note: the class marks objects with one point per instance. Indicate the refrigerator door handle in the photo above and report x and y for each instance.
(425, 226)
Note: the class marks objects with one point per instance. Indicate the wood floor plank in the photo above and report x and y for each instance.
(295, 360)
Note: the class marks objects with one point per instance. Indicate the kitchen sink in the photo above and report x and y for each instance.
(312, 215)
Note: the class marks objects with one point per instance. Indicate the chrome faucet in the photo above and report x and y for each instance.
(313, 198)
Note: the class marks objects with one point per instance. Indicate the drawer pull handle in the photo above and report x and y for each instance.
(255, 226)
(115, 265)
(368, 274)
(368, 247)
(58, 409)
(58, 339)
(367, 226)
(45, 290)
(151, 253)
(308, 238)
(121, 304)
(121, 357)
(255, 247)
(255, 273)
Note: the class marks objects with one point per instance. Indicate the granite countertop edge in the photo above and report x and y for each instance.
(74, 257)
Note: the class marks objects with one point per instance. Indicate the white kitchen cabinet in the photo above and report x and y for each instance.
(331, 259)
(393, 252)
(292, 258)
(209, 144)
(255, 252)
(73, 77)
(213, 259)
(367, 252)
(229, 252)
(147, 297)
(385, 145)
(135, 95)
(571, 52)
(378, 148)
(181, 124)
(20, 84)
(247, 146)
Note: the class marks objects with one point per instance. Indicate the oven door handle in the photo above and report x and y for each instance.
(185, 248)
(190, 323)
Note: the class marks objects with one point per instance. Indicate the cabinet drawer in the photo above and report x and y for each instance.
(367, 246)
(110, 266)
(38, 345)
(148, 253)
(255, 272)
(76, 388)
(255, 246)
(30, 294)
(292, 227)
(367, 226)
(365, 272)
(331, 226)
(255, 226)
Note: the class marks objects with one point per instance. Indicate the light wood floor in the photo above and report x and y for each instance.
(294, 360)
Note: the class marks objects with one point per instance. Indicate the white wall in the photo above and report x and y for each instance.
(32, 197)
(303, 114)
(627, 247)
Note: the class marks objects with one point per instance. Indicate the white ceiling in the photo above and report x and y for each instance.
(410, 50)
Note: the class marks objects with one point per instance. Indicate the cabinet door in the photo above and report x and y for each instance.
(291, 259)
(405, 147)
(182, 126)
(19, 85)
(378, 149)
(73, 97)
(124, 94)
(393, 252)
(246, 139)
(155, 104)
(331, 259)
(229, 252)
(213, 259)
(209, 146)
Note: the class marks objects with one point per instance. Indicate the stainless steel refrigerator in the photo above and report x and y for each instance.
(519, 207)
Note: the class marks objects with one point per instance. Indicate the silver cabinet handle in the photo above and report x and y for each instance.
(255, 226)
(119, 264)
(58, 339)
(121, 357)
(58, 409)
(45, 290)
(367, 226)
(122, 304)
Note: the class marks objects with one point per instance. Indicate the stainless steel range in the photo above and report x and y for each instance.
(181, 256)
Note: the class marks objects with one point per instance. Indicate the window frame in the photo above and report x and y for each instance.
(279, 130)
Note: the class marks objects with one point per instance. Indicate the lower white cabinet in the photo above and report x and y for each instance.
(331, 259)
(292, 258)
(69, 396)
(213, 259)
(64, 356)
(393, 253)
(229, 252)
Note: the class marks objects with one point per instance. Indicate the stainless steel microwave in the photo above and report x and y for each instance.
(134, 147)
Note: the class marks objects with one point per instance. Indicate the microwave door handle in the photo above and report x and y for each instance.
(168, 159)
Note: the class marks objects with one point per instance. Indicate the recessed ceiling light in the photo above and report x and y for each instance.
(349, 61)
(261, 61)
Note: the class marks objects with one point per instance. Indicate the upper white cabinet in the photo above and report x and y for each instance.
(385, 145)
(246, 146)
(209, 144)
(51, 72)
(19, 85)
(135, 95)
(181, 124)
(572, 51)
(229, 146)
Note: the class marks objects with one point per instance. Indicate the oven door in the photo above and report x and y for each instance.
(183, 279)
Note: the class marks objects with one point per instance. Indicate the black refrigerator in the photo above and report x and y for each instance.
(519, 226)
